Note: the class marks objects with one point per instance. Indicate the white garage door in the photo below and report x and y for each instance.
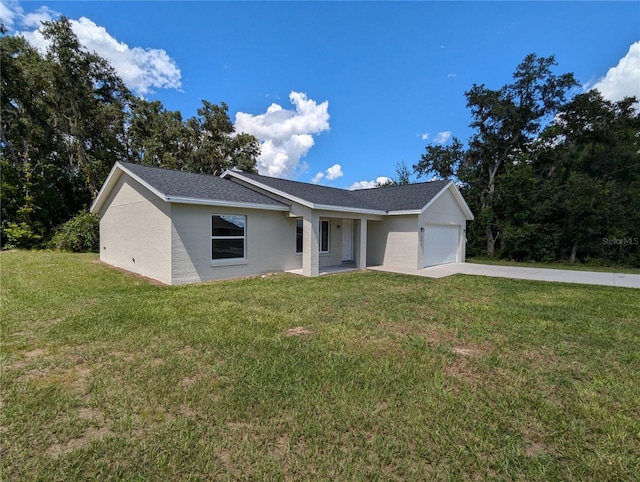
(440, 244)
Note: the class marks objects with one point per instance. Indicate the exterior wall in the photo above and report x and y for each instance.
(394, 242)
(445, 210)
(270, 244)
(135, 231)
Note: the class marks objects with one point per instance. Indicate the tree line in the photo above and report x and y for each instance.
(67, 117)
(550, 176)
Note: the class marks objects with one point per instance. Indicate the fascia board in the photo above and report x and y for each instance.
(232, 204)
(408, 211)
(325, 207)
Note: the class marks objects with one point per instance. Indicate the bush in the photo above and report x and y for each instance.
(21, 235)
(81, 234)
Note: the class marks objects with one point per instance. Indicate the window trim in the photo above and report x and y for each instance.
(228, 261)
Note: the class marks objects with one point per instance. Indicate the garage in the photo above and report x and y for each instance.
(440, 244)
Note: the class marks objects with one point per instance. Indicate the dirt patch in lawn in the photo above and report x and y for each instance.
(89, 435)
(298, 331)
(535, 449)
(458, 350)
(101, 428)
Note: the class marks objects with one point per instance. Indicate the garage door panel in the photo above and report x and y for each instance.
(440, 244)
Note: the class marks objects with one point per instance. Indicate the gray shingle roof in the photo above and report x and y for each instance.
(313, 193)
(402, 198)
(181, 184)
(186, 185)
(386, 198)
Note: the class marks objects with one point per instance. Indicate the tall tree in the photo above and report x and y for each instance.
(505, 122)
(206, 143)
(62, 129)
(591, 153)
(66, 118)
(88, 102)
(217, 146)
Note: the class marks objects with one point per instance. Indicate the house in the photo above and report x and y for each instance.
(179, 227)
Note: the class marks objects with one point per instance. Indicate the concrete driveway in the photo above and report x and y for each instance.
(516, 272)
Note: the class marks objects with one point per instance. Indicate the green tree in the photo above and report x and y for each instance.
(206, 143)
(591, 154)
(158, 137)
(506, 123)
(62, 127)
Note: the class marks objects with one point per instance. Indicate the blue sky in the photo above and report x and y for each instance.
(339, 92)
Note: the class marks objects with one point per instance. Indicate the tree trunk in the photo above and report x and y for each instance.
(491, 241)
(574, 252)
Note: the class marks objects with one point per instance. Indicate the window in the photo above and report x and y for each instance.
(324, 236)
(228, 236)
(298, 235)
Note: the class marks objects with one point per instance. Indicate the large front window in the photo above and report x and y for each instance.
(324, 236)
(228, 239)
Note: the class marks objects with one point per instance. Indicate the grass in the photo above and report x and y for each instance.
(566, 265)
(359, 376)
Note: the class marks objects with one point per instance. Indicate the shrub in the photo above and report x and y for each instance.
(21, 235)
(81, 234)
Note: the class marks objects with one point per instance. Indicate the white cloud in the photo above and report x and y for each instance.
(442, 137)
(9, 11)
(142, 70)
(622, 80)
(334, 172)
(35, 19)
(425, 136)
(331, 174)
(369, 184)
(285, 135)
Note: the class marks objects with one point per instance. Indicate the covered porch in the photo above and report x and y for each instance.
(330, 242)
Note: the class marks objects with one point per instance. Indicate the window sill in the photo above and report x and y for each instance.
(228, 262)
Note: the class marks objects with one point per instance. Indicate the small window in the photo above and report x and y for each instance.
(298, 235)
(228, 236)
(324, 236)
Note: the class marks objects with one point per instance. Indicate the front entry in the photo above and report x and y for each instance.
(347, 240)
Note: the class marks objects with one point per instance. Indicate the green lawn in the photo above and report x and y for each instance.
(387, 377)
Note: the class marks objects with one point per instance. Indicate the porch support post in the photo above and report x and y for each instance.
(310, 243)
(361, 259)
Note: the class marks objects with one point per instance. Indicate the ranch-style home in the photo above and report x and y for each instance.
(179, 227)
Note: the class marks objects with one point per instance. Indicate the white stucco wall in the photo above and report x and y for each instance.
(135, 231)
(393, 242)
(445, 210)
(270, 238)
